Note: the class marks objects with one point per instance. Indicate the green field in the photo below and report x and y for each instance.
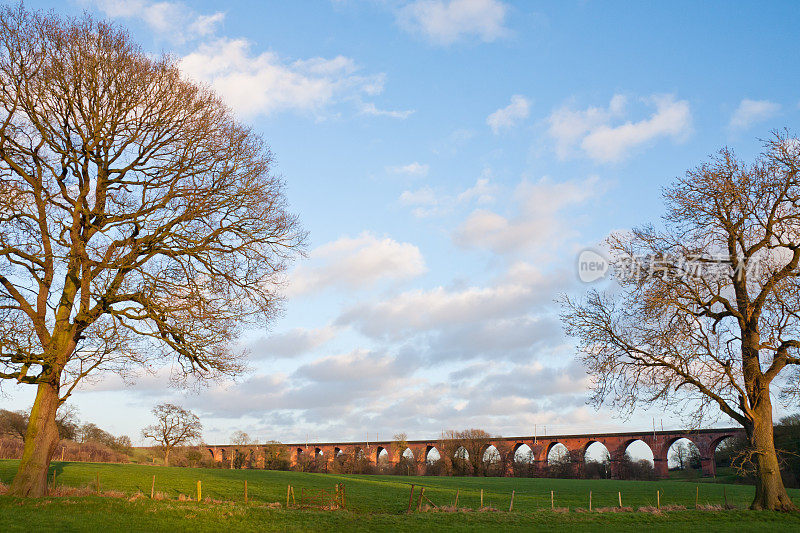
(374, 503)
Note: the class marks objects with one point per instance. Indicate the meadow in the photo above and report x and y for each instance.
(373, 502)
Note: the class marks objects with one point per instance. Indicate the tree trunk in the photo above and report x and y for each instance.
(166, 457)
(770, 492)
(41, 441)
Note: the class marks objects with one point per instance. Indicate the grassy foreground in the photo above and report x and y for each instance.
(374, 503)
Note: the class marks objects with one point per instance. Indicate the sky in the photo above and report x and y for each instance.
(450, 159)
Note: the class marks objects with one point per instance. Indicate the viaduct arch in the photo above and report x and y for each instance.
(659, 442)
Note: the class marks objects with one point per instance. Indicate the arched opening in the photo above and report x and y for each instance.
(596, 461)
(432, 455)
(381, 456)
(337, 452)
(318, 453)
(559, 461)
(523, 454)
(213, 457)
(299, 454)
(408, 454)
(726, 453)
(493, 461)
(491, 455)
(461, 453)
(636, 461)
(523, 461)
(556, 453)
(683, 459)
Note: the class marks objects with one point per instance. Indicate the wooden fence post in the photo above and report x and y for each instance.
(511, 507)
(410, 499)
(590, 500)
(245, 491)
(153, 487)
(620, 498)
(481, 498)
(419, 503)
(658, 499)
(457, 491)
(552, 501)
(97, 482)
(696, 496)
(288, 488)
(199, 491)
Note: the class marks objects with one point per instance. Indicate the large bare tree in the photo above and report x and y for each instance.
(175, 426)
(707, 313)
(140, 224)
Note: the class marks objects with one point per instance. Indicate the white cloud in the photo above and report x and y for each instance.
(508, 116)
(292, 343)
(174, 21)
(446, 22)
(369, 108)
(260, 84)
(357, 263)
(426, 202)
(539, 222)
(411, 169)
(751, 112)
(432, 310)
(594, 131)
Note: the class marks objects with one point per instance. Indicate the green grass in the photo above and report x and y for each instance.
(374, 503)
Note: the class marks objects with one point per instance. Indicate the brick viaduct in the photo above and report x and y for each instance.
(659, 443)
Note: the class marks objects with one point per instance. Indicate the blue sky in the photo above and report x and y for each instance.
(450, 159)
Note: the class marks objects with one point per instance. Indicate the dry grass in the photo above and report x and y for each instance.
(613, 509)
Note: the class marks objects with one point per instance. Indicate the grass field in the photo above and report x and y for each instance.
(374, 503)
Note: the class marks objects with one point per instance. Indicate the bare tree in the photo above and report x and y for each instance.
(707, 315)
(240, 438)
(140, 224)
(175, 426)
(680, 455)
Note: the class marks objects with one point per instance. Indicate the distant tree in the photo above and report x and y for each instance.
(276, 456)
(140, 222)
(13, 423)
(240, 438)
(175, 426)
(787, 442)
(706, 317)
(680, 455)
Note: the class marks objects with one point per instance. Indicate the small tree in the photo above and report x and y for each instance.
(175, 426)
(707, 315)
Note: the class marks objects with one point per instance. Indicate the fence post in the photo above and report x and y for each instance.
(658, 499)
(199, 491)
(552, 501)
(481, 498)
(511, 507)
(153, 487)
(410, 499)
(245, 491)
(97, 482)
(457, 491)
(288, 488)
(620, 498)
(590, 500)
(419, 503)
